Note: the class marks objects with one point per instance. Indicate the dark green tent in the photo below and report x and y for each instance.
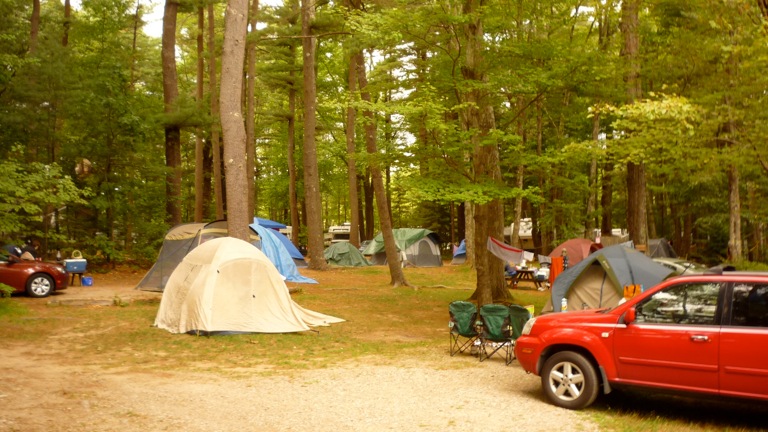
(345, 254)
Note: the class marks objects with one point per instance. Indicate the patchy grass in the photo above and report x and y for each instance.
(384, 325)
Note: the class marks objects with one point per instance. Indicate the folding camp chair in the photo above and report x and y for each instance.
(463, 333)
(495, 333)
(518, 316)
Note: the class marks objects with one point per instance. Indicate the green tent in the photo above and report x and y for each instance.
(418, 247)
(345, 254)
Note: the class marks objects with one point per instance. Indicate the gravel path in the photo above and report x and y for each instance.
(41, 392)
(356, 398)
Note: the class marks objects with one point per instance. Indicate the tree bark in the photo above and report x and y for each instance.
(478, 119)
(636, 195)
(199, 141)
(606, 200)
(34, 27)
(172, 131)
(354, 207)
(469, 232)
(250, 118)
(591, 221)
(517, 210)
(68, 24)
(368, 197)
(311, 175)
(215, 126)
(292, 176)
(293, 196)
(232, 125)
(396, 273)
(735, 243)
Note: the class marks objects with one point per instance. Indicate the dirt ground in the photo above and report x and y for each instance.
(41, 391)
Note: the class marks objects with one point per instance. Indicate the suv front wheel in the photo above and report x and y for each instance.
(569, 380)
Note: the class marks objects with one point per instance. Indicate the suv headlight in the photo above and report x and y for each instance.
(528, 326)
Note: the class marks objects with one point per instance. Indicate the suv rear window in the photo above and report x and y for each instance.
(750, 305)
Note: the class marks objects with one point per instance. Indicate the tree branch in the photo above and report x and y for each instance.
(302, 37)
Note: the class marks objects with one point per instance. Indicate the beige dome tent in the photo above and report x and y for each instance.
(227, 285)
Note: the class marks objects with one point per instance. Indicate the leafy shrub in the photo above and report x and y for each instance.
(5, 290)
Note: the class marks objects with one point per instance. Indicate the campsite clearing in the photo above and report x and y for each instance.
(88, 359)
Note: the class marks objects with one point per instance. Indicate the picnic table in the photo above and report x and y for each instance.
(524, 275)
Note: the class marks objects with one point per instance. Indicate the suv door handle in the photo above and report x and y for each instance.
(699, 338)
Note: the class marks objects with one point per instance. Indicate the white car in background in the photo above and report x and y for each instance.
(681, 266)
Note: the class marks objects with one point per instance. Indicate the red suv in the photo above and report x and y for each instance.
(701, 334)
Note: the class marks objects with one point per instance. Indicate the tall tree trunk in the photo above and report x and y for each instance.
(311, 175)
(735, 240)
(606, 184)
(606, 200)
(34, 28)
(591, 222)
(396, 273)
(517, 210)
(478, 119)
(650, 215)
(68, 24)
(541, 240)
(688, 223)
(172, 131)
(136, 30)
(250, 119)
(735, 245)
(292, 176)
(354, 207)
(199, 139)
(636, 195)
(469, 233)
(232, 127)
(215, 125)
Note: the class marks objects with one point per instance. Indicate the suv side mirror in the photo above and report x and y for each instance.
(630, 315)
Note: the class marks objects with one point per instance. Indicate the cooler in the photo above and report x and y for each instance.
(75, 265)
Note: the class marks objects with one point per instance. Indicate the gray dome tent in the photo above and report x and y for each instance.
(598, 281)
(418, 247)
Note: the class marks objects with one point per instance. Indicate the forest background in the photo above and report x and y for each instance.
(584, 116)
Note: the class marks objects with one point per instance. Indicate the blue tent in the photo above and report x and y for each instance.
(298, 258)
(460, 254)
(275, 249)
(268, 223)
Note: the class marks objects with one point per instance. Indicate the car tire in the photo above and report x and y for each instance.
(40, 285)
(569, 380)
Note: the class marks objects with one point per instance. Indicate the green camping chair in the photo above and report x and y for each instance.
(462, 325)
(495, 332)
(518, 316)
